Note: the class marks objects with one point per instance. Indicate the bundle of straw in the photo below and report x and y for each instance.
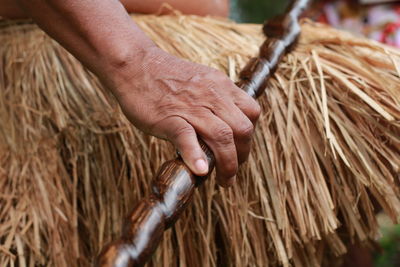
(326, 151)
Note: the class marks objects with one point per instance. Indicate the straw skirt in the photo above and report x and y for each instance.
(326, 152)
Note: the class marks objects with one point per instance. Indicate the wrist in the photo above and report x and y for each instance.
(124, 67)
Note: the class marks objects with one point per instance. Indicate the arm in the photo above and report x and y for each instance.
(160, 94)
(194, 7)
(11, 9)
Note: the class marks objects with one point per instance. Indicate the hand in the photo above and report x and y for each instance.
(180, 101)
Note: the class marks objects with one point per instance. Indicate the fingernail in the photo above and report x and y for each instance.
(201, 166)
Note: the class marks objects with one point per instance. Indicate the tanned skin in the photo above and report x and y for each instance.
(12, 10)
(160, 94)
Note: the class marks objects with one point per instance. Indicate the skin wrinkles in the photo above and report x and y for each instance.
(178, 96)
(160, 94)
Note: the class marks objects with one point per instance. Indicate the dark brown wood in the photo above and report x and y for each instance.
(174, 185)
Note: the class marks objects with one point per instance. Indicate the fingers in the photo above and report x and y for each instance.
(241, 113)
(247, 105)
(218, 135)
(242, 129)
(184, 138)
(226, 91)
(224, 119)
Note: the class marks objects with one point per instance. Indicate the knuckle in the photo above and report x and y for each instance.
(245, 130)
(180, 131)
(210, 92)
(219, 79)
(223, 136)
(250, 106)
(254, 111)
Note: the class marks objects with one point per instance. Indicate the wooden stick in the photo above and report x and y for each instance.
(174, 185)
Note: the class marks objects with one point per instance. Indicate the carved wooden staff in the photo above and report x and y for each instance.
(174, 184)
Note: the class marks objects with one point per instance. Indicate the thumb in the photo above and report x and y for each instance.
(184, 137)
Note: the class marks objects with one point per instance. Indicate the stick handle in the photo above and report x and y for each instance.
(174, 185)
(172, 190)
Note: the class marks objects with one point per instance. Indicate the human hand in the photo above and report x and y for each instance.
(180, 101)
(160, 94)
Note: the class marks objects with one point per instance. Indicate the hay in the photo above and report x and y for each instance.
(326, 149)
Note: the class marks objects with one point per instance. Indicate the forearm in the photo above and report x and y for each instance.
(202, 8)
(11, 9)
(179, 100)
(100, 34)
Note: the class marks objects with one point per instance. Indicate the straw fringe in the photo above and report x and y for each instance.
(325, 151)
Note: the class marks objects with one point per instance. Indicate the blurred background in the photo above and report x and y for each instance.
(375, 19)
(256, 10)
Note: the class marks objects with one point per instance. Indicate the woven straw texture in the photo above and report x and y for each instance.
(325, 154)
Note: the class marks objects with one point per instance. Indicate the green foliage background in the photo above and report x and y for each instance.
(390, 244)
(256, 11)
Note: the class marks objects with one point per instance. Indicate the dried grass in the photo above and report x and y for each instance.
(326, 149)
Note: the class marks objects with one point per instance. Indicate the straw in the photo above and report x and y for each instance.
(326, 153)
